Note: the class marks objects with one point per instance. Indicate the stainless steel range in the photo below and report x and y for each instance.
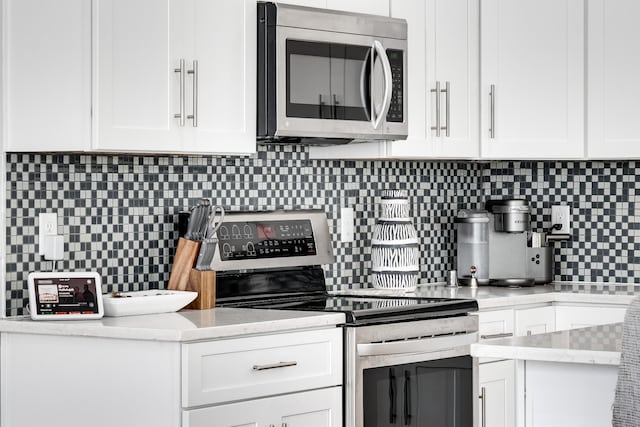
(406, 359)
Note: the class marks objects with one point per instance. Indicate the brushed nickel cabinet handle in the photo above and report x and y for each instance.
(501, 335)
(194, 116)
(273, 366)
(181, 71)
(447, 109)
(437, 92)
(483, 397)
(492, 98)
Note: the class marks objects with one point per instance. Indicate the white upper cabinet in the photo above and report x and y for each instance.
(221, 37)
(613, 128)
(444, 105)
(532, 79)
(137, 46)
(46, 57)
(174, 76)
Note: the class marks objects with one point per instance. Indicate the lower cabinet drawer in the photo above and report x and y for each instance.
(316, 408)
(244, 368)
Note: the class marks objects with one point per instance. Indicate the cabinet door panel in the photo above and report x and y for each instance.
(497, 389)
(137, 46)
(47, 75)
(533, 54)
(226, 87)
(614, 89)
(581, 317)
(535, 321)
(456, 47)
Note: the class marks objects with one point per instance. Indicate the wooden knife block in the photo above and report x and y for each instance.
(204, 283)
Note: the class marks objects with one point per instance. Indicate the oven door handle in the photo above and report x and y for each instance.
(418, 345)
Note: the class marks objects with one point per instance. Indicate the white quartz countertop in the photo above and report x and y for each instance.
(493, 297)
(593, 345)
(185, 325)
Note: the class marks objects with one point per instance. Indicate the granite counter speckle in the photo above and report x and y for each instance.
(182, 326)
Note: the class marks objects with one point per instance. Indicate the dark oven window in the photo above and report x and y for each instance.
(328, 80)
(433, 393)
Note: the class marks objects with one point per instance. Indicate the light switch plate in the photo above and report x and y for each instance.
(561, 214)
(47, 226)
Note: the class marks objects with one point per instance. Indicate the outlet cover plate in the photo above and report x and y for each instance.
(47, 226)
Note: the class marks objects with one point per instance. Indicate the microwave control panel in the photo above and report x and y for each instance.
(265, 239)
(395, 113)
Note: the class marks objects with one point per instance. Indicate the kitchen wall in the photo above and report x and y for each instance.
(605, 207)
(118, 213)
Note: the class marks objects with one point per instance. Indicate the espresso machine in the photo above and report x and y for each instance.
(496, 246)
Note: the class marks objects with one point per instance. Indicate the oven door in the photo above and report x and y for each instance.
(411, 374)
(337, 85)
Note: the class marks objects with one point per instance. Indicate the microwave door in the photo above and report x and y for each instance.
(381, 84)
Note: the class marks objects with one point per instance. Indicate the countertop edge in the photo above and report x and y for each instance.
(545, 354)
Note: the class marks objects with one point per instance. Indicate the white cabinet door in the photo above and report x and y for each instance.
(613, 128)
(221, 36)
(568, 317)
(137, 46)
(46, 57)
(533, 321)
(495, 324)
(532, 68)
(443, 49)
(321, 408)
(175, 76)
(497, 394)
(373, 7)
(317, 408)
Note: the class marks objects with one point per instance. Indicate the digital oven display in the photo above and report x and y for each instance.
(266, 239)
(75, 295)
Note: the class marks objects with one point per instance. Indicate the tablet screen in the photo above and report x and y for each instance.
(66, 295)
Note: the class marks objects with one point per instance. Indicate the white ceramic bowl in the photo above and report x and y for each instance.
(146, 302)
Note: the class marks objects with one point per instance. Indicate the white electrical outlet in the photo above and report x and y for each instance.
(346, 225)
(48, 226)
(561, 214)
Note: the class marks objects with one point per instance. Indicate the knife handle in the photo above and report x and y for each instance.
(183, 262)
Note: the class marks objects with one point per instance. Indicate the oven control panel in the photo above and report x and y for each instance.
(245, 240)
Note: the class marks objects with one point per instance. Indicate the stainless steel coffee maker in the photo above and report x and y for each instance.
(494, 244)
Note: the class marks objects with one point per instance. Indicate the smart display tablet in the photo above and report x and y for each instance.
(65, 295)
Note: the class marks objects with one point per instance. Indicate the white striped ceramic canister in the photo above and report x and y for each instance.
(394, 245)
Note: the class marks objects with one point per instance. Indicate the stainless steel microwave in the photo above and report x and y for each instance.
(327, 76)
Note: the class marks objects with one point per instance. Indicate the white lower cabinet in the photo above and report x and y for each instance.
(573, 317)
(532, 321)
(495, 324)
(318, 408)
(497, 394)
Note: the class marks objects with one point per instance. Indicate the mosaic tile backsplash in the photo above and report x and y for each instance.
(119, 213)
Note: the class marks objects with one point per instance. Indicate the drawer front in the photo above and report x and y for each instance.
(250, 367)
(495, 324)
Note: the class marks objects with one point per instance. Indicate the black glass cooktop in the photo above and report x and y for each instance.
(369, 309)
(304, 289)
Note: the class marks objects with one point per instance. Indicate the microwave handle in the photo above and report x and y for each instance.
(386, 100)
(364, 81)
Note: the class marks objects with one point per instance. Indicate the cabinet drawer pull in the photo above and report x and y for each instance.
(274, 366)
(502, 335)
